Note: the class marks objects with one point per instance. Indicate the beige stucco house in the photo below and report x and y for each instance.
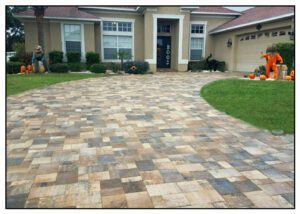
(166, 37)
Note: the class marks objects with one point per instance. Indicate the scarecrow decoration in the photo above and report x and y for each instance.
(272, 56)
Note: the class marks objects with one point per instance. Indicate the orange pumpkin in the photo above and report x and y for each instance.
(23, 69)
(252, 76)
(292, 74)
(262, 77)
(29, 68)
(288, 78)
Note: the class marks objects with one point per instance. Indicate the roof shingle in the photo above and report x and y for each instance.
(253, 15)
(61, 12)
(215, 10)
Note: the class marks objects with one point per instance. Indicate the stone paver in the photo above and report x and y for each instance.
(140, 141)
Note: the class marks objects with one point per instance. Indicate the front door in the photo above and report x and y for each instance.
(163, 51)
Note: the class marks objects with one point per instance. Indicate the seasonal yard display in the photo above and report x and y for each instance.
(23, 69)
(38, 58)
(29, 68)
(288, 77)
(252, 76)
(262, 77)
(272, 56)
(292, 74)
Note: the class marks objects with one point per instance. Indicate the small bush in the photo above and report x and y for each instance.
(13, 67)
(113, 66)
(198, 65)
(13, 59)
(59, 68)
(75, 67)
(98, 68)
(73, 56)
(136, 67)
(92, 58)
(55, 57)
(27, 59)
(221, 66)
(287, 52)
(19, 48)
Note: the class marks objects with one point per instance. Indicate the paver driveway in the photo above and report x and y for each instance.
(140, 141)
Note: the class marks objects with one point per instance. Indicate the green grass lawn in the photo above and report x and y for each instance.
(16, 83)
(265, 104)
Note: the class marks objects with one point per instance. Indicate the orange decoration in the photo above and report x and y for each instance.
(251, 76)
(292, 74)
(262, 77)
(23, 69)
(29, 68)
(271, 63)
(288, 78)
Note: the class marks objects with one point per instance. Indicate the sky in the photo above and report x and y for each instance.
(238, 8)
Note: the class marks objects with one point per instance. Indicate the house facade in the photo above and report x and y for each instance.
(166, 37)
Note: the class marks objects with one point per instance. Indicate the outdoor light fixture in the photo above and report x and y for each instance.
(229, 43)
(258, 27)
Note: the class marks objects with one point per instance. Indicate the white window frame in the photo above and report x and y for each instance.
(198, 35)
(62, 27)
(116, 33)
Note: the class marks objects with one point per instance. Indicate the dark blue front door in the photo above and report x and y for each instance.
(163, 51)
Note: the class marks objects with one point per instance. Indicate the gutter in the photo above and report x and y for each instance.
(216, 13)
(253, 23)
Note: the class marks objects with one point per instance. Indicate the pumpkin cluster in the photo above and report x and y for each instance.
(26, 69)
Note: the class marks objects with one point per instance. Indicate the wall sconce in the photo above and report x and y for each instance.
(258, 27)
(229, 43)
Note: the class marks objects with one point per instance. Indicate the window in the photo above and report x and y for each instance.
(197, 28)
(252, 36)
(247, 38)
(117, 36)
(197, 41)
(259, 35)
(163, 28)
(282, 33)
(267, 34)
(242, 39)
(274, 34)
(72, 37)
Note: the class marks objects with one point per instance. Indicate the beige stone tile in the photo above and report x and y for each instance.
(175, 200)
(139, 200)
(115, 201)
(189, 186)
(224, 173)
(261, 199)
(254, 175)
(45, 178)
(41, 160)
(190, 167)
(99, 176)
(162, 189)
(151, 177)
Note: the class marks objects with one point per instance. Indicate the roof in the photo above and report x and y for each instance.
(215, 11)
(254, 16)
(60, 13)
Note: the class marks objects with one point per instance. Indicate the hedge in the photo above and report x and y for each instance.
(136, 67)
(98, 68)
(59, 68)
(75, 67)
(73, 56)
(13, 67)
(91, 58)
(287, 52)
(113, 66)
(55, 57)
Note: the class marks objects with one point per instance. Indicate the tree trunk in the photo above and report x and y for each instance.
(40, 29)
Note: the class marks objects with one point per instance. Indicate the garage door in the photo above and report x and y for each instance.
(250, 45)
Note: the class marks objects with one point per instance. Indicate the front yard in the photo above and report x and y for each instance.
(17, 83)
(265, 104)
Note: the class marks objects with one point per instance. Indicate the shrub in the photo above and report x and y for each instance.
(75, 66)
(221, 66)
(113, 66)
(19, 48)
(55, 57)
(287, 52)
(13, 59)
(91, 58)
(98, 68)
(198, 65)
(27, 58)
(13, 67)
(73, 56)
(136, 67)
(59, 68)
